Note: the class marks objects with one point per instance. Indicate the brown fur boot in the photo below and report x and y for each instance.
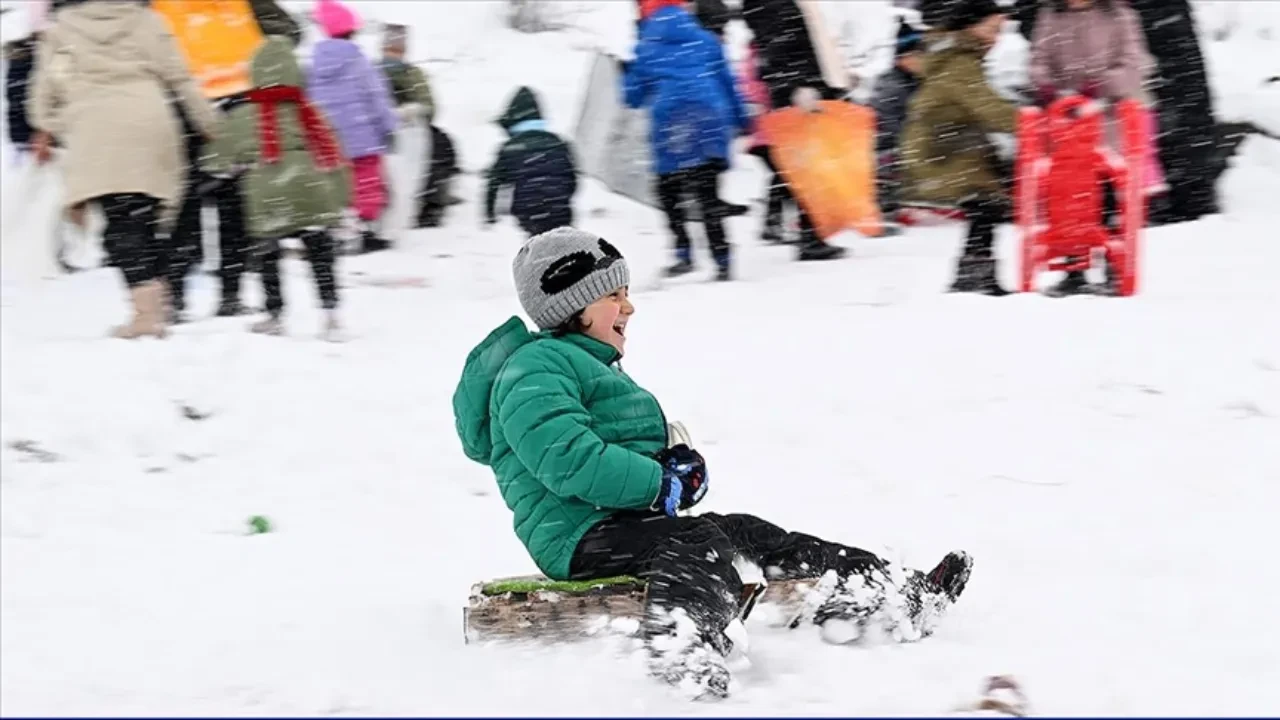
(148, 312)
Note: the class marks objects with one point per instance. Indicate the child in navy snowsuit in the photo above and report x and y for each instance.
(539, 167)
(681, 76)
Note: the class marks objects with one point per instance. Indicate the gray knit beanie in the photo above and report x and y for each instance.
(560, 272)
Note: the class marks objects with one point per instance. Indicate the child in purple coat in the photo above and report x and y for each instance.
(355, 97)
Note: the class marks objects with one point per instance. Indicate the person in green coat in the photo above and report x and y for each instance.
(411, 90)
(598, 483)
(296, 181)
(947, 157)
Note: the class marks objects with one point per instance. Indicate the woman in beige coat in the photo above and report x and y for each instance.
(103, 73)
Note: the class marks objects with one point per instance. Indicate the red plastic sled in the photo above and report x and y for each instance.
(1061, 165)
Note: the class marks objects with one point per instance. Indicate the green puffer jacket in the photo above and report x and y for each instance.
(283, 198)
(945, 150)
(569, 436)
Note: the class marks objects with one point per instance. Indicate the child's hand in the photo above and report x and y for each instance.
(684, 479)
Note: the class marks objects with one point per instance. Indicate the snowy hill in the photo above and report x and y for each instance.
(1111, 464)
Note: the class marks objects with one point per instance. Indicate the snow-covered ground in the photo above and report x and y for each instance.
(1112, 465)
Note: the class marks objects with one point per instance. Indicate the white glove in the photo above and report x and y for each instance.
(806, 98)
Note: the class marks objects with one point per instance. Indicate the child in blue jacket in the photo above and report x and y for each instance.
(681, 76)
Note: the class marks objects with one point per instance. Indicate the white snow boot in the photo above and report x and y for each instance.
(270, 325)
(905, 605)
(680, 656)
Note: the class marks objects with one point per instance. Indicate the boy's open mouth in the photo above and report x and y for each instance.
(621, 329)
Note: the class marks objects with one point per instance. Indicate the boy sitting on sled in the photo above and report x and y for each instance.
(581, 458)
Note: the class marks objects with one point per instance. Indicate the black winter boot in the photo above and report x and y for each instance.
(230, 307)
(723, 267)
(977, 275)
(1075, 283)
(816, 249)
(371, 242)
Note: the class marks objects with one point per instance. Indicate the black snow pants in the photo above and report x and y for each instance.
(131, 239)
(688, 561)
(703, 184)
(983, 214)
(779, 195)
(442, 166)
(321, 252)
(186, 241)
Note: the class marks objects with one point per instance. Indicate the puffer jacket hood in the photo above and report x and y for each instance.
(480, 372)
(104, 22)
(523, 107)
(332, 59)
(275, 64)
(673, 26)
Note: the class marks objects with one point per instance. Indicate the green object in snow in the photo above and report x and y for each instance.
(258, 525)
(527, 585)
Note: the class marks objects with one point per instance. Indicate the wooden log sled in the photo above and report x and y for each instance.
(533, 607)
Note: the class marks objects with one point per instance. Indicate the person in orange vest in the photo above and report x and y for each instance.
(218, 49)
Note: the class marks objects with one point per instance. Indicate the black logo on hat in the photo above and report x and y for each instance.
(576, 266)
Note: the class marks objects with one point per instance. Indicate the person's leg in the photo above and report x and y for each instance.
(863, 587)
(185, 248)
(370, 199)
(233, 244)
(776, 193)
(670, 189)
(131, 243)
(269, 270)
(320, 251)
(688, 564)
(976, 268)
(812, 247)
(704, 182)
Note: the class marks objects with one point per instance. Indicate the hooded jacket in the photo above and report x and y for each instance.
(284, 197)
(947, 155)
(354, 95)
(570, 437)
(104, 72)
(1077, 48)
(681, 76)
(536, 163)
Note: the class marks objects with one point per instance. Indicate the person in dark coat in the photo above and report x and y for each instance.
(893, 92)
(20, 61)
(1188, 140)
(539, 167)
(788, 64)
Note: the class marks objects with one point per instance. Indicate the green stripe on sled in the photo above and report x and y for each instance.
(528, 585)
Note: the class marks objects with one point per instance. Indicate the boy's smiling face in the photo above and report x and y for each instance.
(606, 319)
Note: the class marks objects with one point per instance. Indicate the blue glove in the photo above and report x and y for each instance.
(684, 479)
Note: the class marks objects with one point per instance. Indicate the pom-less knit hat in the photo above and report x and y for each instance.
(335, 18)
(560, 272)
(909, 39)
(967, 13)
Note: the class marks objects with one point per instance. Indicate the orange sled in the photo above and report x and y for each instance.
(828, 160)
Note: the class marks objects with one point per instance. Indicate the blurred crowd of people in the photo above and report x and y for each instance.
(154, 122)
